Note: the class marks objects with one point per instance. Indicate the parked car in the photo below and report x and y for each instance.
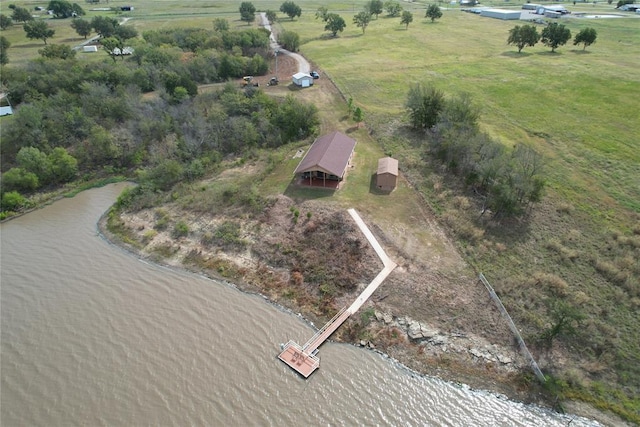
(315, 74)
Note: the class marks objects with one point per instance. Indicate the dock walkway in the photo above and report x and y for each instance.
(303, 358)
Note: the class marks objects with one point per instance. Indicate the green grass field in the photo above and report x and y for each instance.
(577, 107)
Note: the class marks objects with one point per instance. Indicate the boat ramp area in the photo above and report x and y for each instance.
(303, 358)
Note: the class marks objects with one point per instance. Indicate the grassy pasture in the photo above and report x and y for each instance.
(576, 106)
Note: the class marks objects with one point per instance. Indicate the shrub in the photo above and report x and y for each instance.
(12, 201)
(148, 236)
(18, 179)
(162, 219)
(181, 229)
(228, 234)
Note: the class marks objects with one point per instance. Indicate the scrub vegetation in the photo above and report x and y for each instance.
(565, 264)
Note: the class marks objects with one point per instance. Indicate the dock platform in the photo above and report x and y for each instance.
(303, 359)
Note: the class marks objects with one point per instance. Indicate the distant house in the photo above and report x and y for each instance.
(326, 162)
(303, 79)
(387, 174)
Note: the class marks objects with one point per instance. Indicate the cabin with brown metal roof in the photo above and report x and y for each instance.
(387, 174)
(327, 161)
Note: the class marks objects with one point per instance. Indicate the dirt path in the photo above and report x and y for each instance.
(303, 64)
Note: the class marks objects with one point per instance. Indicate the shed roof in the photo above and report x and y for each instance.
(388, 165)
(329, 153)
(301, 75)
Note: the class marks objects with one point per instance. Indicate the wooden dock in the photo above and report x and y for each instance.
(303, 359)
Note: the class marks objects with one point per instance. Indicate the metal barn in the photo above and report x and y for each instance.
(504, 14)
(302, 79)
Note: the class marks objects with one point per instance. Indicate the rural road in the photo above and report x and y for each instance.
(303, 64)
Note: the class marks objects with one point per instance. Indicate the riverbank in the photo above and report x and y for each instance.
(437, 325)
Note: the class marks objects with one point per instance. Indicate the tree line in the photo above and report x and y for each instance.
(73, 119)
(553, 35)
(508, 180)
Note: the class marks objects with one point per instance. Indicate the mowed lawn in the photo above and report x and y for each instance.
(579, 107)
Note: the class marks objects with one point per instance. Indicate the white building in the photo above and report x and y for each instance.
(302, 79)
(501, 14)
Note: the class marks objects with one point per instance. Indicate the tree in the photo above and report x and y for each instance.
(424, 104)
(554, 35)
(521, 36)
(407, 18)
(271, 16)
(295, 119)
(393, 8)
(5, 21)
(322, 13)
(77, 10)
(35, 161)
(82, 27)
(459, 113)
(18, 179)
(374, 7)
(220, 25)
(335, 23)
(433, 12)
(20, 14)
(4, 45)
(290, 9)
(59, 51)
(362, 20)
(64, 9)
(64, 167)
(104, 26)
(247, 12)
(125, 32)
(566, 319)
(587, 36)
(289, 40)
(38, 30)
(111, 45)
(358, 116)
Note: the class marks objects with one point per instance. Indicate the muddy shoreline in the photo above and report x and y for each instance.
(455, 354)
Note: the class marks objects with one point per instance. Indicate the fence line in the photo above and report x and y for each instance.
(523, 347)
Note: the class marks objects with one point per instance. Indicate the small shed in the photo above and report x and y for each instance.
(387, 175)
(302, 79)
(90, 48)
(504, 14)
